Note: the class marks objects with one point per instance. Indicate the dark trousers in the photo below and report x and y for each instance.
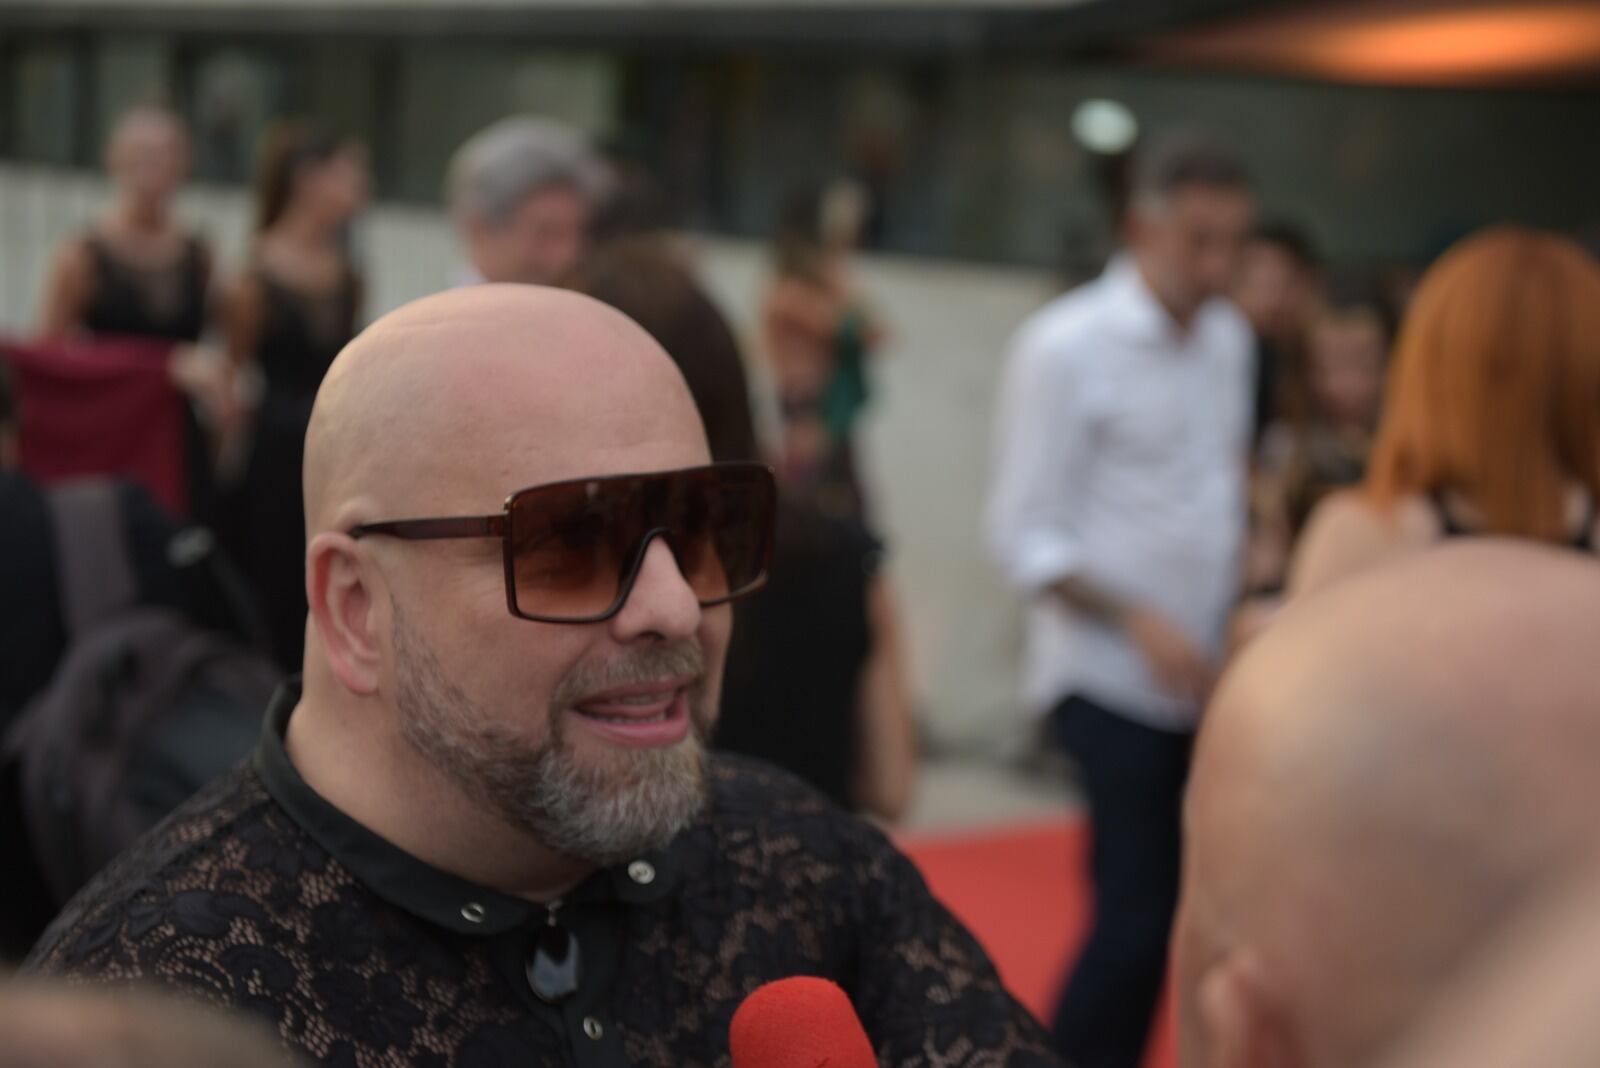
(1134, 777)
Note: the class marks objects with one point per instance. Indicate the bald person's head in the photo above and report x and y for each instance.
(584, 735)
(48, 1024)
(460, 394)
(1382, 777)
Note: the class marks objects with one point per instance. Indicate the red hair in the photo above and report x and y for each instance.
(1494, 391)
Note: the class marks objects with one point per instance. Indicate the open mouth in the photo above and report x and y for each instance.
(644, 715)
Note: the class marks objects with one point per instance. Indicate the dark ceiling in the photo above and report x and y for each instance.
(937, 27)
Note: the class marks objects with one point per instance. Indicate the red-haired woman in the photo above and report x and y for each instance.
(1492, 417)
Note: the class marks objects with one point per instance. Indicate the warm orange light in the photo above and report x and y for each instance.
(1399, 42)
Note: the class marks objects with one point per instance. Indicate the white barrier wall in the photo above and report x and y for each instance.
(925, 442)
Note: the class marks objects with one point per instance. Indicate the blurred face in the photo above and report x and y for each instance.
(543, 238)
(1346, 363)
(1274, 291)
(338, 186)
(1189, 244)
(844, 213)
(149, 158)
(588, 737)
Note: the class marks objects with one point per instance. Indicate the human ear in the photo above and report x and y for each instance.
(340, 590)
(1242, 1025)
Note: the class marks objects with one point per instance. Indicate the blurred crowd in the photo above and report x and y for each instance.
(1187, 448)
(1218, 428)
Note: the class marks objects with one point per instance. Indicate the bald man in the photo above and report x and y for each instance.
(1391, 773)
(485, 830)
(1530, 1001)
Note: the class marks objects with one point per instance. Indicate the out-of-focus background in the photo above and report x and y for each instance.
(985, 132)
(987, 148)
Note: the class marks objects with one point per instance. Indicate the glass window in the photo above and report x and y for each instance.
(235, 95)
(446, 94)
(969, 157)
(49, 100)
(340, 88)
(129, 70)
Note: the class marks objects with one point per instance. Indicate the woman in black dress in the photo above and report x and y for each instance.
(288, 315)
(136, 272)
(816, 679)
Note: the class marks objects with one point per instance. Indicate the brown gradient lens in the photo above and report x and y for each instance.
(718, 522)
(574, 548)
(740, 530)
(565, 549)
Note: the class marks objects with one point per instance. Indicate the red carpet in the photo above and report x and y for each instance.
(1020, 889)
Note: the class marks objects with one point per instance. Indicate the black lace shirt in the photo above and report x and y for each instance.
(259, 894)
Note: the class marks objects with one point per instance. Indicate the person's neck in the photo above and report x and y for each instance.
(351, 756)
(1181, 312)
(305, 227)
(140, 217)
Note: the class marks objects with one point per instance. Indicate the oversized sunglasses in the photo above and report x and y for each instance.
(573, 549)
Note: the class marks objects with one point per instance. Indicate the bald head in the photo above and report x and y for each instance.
(45, 1023)
(1382, 776)
(438, 709)
(449, 403)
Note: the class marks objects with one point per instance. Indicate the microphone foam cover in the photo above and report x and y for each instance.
(800, 1022)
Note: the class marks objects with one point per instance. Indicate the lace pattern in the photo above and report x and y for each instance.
(234, 902)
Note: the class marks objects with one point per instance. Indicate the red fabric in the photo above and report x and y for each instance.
(1022, 891)
(800, 1022)
(101, 407)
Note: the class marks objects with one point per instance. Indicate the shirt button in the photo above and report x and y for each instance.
(642, 872)
(592, 1028)
(473, 912)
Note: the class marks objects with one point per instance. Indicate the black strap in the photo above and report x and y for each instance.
(1583, 540)
(1447, 523)
(104, 262)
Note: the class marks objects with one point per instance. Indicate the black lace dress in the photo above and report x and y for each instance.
(259, 894)
(265, 530)
(791, 694)
(132, 300)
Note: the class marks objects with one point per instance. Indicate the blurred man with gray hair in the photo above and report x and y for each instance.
(522, 192)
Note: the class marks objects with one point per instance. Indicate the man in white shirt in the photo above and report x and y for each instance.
(1118, 510)
(523, 192)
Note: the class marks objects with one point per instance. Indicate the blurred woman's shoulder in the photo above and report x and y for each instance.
(1348, 533)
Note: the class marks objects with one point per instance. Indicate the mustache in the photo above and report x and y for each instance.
(669, 660)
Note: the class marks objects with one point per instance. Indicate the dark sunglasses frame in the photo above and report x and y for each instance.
(499, 526)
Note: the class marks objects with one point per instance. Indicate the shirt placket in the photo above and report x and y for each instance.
(586, 1020)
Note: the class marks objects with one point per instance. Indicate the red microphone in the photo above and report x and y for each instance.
(801, 1022)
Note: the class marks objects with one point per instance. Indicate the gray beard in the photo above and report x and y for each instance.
(632, 802)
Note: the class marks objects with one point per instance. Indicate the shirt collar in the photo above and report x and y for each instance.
(1138, 307)
(437, 896)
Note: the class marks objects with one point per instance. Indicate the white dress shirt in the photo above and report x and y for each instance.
(1121, 454)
